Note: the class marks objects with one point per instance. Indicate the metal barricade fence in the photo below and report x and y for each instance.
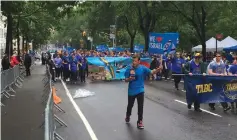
(9, 78)
(50, 117)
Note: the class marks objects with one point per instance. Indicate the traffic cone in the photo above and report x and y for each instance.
(56, 99)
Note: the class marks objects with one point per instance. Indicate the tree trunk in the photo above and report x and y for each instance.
(26, 45)
(9, 47)
(18, 38)
(132, 43)
(146, 37)
(23, 45)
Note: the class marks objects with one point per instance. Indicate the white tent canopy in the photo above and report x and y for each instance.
(228, 42)
(210, 46)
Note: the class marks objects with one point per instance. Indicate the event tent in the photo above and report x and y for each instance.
(231, 49)
(210, 46)
(228, 42)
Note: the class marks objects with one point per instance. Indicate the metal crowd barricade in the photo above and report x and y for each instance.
(9, 78)
(50, 117)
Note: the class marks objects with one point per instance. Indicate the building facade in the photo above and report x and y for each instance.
(3, 33)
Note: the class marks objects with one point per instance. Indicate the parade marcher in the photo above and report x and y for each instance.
(83, 70)
(233, 71)
(55, 54)
(135, 75)
(58, 66)
(217, 67)
(27, 63)
(177, 66)
(73, 67)
(66, 72)
(51, 67)
(193, 67)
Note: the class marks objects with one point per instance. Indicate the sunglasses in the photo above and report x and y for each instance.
(218, 56)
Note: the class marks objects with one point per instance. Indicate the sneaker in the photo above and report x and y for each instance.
(198, 110)
(227, 108)
(127, 119)
(140, 125)
(189, 106)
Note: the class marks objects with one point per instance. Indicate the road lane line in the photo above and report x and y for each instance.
(79, 112)
(200, 108)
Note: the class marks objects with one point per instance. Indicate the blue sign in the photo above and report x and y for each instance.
(210, 89)
(102, 48)
(163, 43)
(138, 48)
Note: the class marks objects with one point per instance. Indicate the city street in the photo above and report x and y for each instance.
(166, 116)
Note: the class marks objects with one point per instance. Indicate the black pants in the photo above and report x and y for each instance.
(58, 72)
(27, 70)
(83, 75)
(196, 105)
(166, 72)
(140, 102)
(74, 76)
(223, 104)
(52, 72)
(234, 104)
(177, 79)
(66, 74)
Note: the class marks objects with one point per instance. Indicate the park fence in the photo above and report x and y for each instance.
(51, 118)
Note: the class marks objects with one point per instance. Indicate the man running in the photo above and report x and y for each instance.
(135, 75)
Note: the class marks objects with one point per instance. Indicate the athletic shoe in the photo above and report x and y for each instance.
(227, 108)
(127, 119)
(140, 125)
(189, 106)
(198, 110)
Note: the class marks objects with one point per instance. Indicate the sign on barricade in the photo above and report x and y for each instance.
(210, 89)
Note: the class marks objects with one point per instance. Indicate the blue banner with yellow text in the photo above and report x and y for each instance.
(210, 89)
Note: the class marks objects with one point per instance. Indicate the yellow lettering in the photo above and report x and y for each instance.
(231, 87)
(204, 88)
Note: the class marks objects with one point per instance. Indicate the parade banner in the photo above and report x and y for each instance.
(163, 43)
(115, 66)
(210, 89)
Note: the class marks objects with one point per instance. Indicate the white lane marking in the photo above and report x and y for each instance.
(83, 118)
(200, 108)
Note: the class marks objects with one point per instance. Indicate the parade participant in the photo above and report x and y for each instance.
(154, 64)
(58, 65)
(135, 75)
(83, 70)
(177, 65)
(217, 67)
(233, 71)
(51, 67)
(193, 67)
(66, 72)
(73, 67)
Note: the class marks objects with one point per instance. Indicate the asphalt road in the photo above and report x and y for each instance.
(165, 115)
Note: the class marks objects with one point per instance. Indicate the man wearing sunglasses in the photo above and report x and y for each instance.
(195, 67)
(217, 67)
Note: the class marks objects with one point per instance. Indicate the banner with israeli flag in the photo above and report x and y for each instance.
(163, 43)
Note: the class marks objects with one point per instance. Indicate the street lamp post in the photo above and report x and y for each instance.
(218, 37)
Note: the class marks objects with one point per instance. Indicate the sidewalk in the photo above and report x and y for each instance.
(22, 115)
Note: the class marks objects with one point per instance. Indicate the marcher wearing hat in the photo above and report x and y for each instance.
(194, 67)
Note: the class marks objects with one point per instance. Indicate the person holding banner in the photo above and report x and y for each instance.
(135, 75)
(193, 67)
(177, 66)
(66, 72)
(217, 67)
(233, 71)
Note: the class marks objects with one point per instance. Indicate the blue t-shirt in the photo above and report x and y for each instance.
(73, 64)
(66, 60)
(233, 69)
(177, 65)
(137, 86)
(58, 62)
(78, 57)
(168, 63)
(220, 69)
(194, 68)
